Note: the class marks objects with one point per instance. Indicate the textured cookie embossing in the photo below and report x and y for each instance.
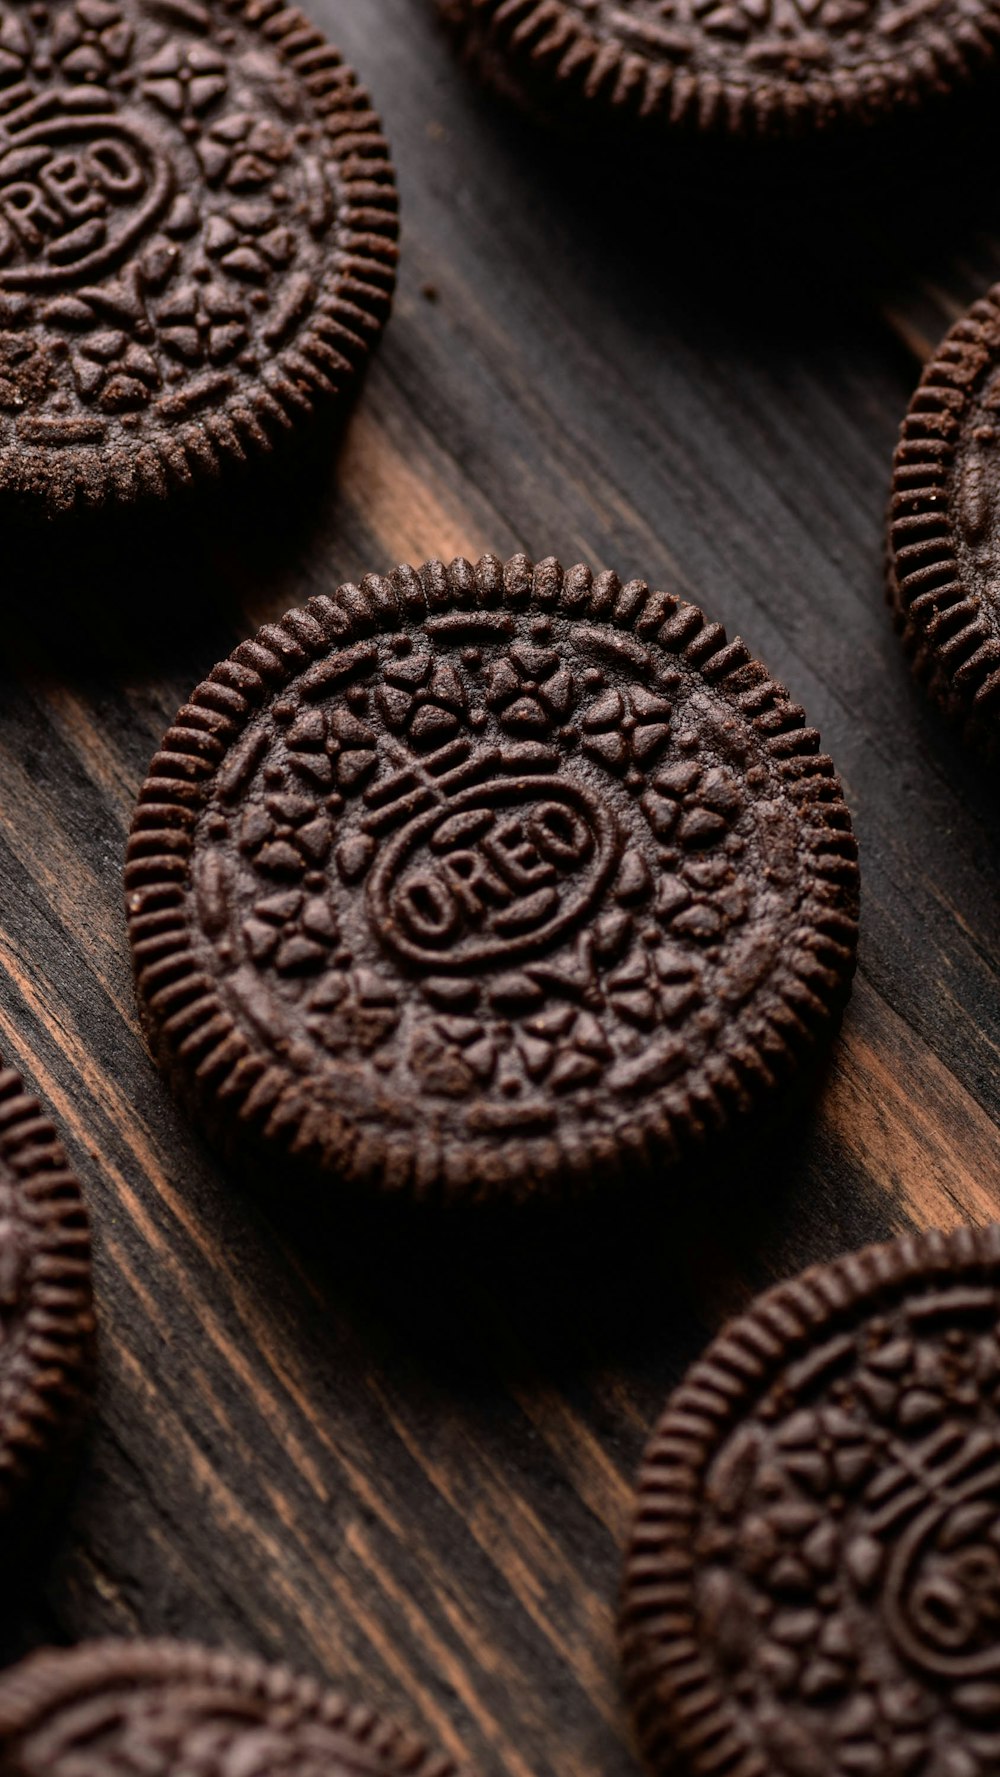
(157, 1709)
(197, 238)
(46, 1312)
(75, 195)
(764, 66)
(490, 876)
(944, 525)
(495, 874)
(813, 1582)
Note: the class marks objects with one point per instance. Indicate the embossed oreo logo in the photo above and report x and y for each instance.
(943, 1590)
(75, 193)
(502, 872)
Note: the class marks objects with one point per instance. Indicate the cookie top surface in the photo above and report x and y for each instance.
(813, 1581)
(46, 1311)
(160, 1708)
(754, 66)
(482, 881)
(197, 239)
(944, 521)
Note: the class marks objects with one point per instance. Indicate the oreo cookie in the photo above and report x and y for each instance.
(944, 526)
(46, 1308)
(197, 241)
(736, 67)
(813, 1576)
(488, 882)
(160, 1708)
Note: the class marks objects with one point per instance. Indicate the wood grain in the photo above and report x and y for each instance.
(409, 1470)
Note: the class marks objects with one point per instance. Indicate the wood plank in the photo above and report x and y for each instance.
(410, 1473)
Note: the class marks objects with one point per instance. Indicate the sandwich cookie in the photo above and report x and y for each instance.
(488, 882)
(813, 1576)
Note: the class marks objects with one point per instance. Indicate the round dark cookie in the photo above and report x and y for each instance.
(46, 1309)
(944, 525)
(744, 67)
(197, 240)
(476, 882)
(162, 1708)
(812, 1587)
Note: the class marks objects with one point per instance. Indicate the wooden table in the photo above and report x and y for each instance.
(411, 1473)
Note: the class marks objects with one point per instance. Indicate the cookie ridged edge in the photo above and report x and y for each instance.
(954, 649)
(54, 1678)
(680, 1713)
(58, 1321)
(195, 1038)
(323, 359)
(543, 35)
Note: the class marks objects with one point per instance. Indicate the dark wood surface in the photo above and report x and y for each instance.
(408, 1470)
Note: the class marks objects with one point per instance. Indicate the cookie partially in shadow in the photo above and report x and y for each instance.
(197, 242)
(46, 1310)
(164, 1708)
(813, 1575)
(944, 526)
(745, 68)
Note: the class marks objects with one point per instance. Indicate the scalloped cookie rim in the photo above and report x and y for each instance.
(668, 1680)
(53, 1678)
(956, 654)
(263, 1105)
(318, 367)
(550, 44)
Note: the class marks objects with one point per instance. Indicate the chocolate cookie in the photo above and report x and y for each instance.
(164, 1709)
(749, 67)
(197, 240)
(476, 882)
(813, 1580)
(46, 1312)
(944, 525)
